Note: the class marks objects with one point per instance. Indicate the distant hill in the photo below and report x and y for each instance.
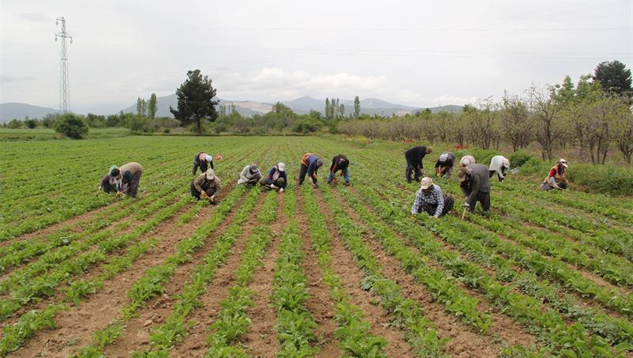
(11, 110)
(302, 105)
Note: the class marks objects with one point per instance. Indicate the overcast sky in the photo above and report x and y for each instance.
(412, 52)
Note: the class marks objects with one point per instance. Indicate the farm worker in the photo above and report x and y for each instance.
(276, 178)
(206, 185)
(467, 160)
(500, 165)
(444, 165)
(250, 175)
(110, 181)
(202, 160)
(339, 162)
(414, 157)
(130, 177)
(310, 164)
(475, 184)
(431, 199)
(551, 181)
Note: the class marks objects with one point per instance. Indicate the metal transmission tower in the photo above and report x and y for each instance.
(64, 86)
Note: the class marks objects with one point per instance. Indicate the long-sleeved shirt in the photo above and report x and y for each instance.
(127, 173)
(310, 161)
(478, 182)
(435, 196)
(499, 164)
(340, 162)
(415, 155)
(275, 174)
(246, 175)
(201, 183)
(449, 160)
(109, 181)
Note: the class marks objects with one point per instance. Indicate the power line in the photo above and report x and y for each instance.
(64, 85)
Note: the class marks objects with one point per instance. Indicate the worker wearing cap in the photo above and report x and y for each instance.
(130, 176)
(444, 165)
(431, 199)
(556, 178)
(339, 162)
(110, 181)
(202, 160)
(250, 175)
(467, 160)
(414, 158)
(499, 165)
(276, 178)
(206, 185)
(310, 164)
(475, 184)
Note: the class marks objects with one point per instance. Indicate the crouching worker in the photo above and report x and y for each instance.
(430, 199)
(500, 165)
(276, 178)
(250, 175)
(444, 165)
(556, 178)
(206, 185)
(130, 176)
(340, 162)
(475, 184)
(310, 164)
(110, 181)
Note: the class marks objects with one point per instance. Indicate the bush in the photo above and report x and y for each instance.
(306, 125)
(519, 158)
(71, 126)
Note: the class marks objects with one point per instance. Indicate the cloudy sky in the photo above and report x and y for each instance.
(412, 52)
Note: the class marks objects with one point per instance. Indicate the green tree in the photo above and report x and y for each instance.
(30, 123)
(614, 77)
(356, 107)
(15, 123)
(195, 100)
(327, 108)
(72, 126)
(152, 106)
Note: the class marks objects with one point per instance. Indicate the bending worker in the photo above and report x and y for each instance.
(414, 158)
(339, 162)
(500, 165)
(276, 178)
(310, 164)
(202, 160)
(444, 165)
(128, 179)
(110, 181)
(475, 184)
(206, 185)
(250, 175)
(430, 199)
(556, 178)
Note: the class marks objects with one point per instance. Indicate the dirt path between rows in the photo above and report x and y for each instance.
(464, 342)
(261, 339)
(351, 276)
(320, 304)
(137, 331)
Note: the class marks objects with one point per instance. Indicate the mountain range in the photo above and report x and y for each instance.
(302, 105)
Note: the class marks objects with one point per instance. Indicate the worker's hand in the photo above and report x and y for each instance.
(119, 194)
(315, 185)
(411, 217)
(466, 205)
(204, 194)
(435, 217)
(281, 190)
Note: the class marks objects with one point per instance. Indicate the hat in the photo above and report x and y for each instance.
(443, 157)
(114, 172)
(210, 175)
(563, 162)
(462, 175)
(426, 183)
(208, 158)
(319, 162)
(281, 167)
(253, 168)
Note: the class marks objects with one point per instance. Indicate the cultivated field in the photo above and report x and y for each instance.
(331, 272)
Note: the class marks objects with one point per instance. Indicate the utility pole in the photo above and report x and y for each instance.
(64, 86)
